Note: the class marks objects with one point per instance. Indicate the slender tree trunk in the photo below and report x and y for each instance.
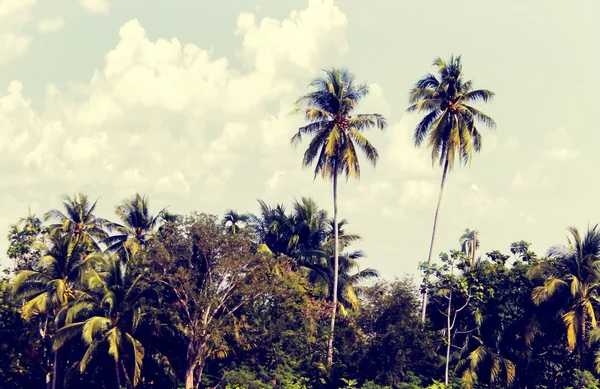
(448, 338)
(335, 271)
(189, 375)
(117, 374)
(435, 219)
(474, 248)
(128, 383)
(200, 369)
(55, 369)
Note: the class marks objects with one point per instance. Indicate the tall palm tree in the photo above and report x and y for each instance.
(449, 123)
(469, 242)
(79, 220)
(233, 220)
(137, 224)
(336, 132)
(57, 280)
(573, 273)
(109, 314)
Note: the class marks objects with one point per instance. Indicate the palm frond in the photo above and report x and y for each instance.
(65, 334)
(137, 350)
(479, 95)
(482, 117)
(113, 336)
(366, 146)
(94, 326)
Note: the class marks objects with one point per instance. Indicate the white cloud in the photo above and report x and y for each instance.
(96, 6)
(14, 16)
(174, 183)
(84, 149)
(413, 194)
(296, 42)
(51, 24)
(406, 159)
(162, 116)
(274, 181)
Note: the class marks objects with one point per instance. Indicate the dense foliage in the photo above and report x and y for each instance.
(245, 301)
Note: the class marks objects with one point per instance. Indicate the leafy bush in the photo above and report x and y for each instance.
(584, 380)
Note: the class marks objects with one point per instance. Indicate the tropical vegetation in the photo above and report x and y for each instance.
(281, 298)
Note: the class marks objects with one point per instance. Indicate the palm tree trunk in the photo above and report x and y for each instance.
(448, 339)
(474, 248)
(117, 375)
(435, 219)
(55, 370)
(335, 271)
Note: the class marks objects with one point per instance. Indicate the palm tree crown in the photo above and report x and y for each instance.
(79, 220)
(335, 130)
(469, 242)
(449, 123)
(234, 221)
(574, 272)
(109, 313)
(137, 224)
(57, 277)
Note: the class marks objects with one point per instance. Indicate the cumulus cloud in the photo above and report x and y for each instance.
(189, 128)
(296, 42)
(101, 7)
(162, 116)
(51, 24)
(14, 16)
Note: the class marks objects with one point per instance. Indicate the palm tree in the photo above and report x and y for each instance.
(137, 224)
(350, 277)
(336, 132)
(449, 123)
(484, 359)
(79, 220)
(469, 242)
(573, 273)
(110, 314)
(56, 281)
(274, 226)
(232, 221)
(310, 229)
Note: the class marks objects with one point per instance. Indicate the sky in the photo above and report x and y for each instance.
(186, 101)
